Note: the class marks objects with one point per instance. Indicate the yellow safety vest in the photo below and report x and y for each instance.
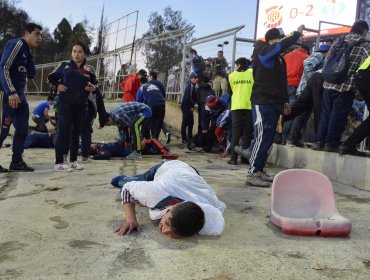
(365, 64)
(241, 84)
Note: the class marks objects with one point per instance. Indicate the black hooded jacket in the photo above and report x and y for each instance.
(269, 71)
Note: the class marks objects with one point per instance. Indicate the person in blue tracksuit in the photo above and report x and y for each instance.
(153, 80)
(74, 82)
(40, 140)
(269, 98)
(151, 95)
(16, 65)
(120, 148)
(187, 109)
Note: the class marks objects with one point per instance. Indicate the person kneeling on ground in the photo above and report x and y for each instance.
(40, 115)
(176, 194)
(130, 115)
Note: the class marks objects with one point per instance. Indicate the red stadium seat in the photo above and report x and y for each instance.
(302, 203)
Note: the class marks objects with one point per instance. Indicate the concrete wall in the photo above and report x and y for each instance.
(349, 170)
(346, 169)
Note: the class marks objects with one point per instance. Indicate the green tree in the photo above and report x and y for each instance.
(46, 52)
(12, 21)
(163, 55)
(65, 37)
(79, 34)
(62, 36)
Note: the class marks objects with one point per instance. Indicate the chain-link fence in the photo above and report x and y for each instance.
(121, 56)
(244, 48)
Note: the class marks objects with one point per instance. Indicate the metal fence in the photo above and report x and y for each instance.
(121, 56)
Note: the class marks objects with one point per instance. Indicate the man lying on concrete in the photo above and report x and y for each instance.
(120, 148)
(102, 151)
(176, 194)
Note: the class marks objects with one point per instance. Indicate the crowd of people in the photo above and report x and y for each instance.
(271, 98)
(238, 113)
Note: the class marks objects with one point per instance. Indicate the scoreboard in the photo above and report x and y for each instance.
(288, 14)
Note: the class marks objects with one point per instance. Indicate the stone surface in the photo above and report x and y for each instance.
(60, 226)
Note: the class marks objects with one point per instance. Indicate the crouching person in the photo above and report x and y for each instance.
(177, 196)
(130, 115)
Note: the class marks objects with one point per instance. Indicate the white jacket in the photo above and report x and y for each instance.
(177, 179)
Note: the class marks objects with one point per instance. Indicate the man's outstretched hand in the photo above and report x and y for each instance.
(127, 228)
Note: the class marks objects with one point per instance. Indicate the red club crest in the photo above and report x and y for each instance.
(274, 17)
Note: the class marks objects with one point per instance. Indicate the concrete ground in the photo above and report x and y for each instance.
(60, 226)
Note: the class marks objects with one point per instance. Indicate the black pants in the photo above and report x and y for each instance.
(242, 125)
(158, 112)
(71, 120)
(310, 99)
(187, 125)
(87, 130)
(363, 130)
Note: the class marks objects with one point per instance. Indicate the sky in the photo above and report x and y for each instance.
(208, 16)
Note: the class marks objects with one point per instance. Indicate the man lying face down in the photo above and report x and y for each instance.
(177, 196)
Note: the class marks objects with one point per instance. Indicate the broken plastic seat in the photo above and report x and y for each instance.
(302, 203)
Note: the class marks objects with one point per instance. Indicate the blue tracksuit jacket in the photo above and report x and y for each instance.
(16, 65)
(75, 79)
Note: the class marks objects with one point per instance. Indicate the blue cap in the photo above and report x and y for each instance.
(324, 48)
(193, 75)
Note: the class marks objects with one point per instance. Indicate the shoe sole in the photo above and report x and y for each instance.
(257, 186)
(65, 171)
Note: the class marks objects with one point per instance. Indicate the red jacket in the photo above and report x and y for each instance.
(130, 87)
(294, 66)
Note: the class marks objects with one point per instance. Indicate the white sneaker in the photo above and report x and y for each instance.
(61, 167)
(267, 176)
(74, 165)
(256, 180)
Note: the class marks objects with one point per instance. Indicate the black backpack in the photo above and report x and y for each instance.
(336, 66)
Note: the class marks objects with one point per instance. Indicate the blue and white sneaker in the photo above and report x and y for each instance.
(134, 155)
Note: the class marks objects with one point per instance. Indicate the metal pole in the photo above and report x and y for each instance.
(133, 43)
(317, 44)
(42, 78)
(182, 81)
(233, 53)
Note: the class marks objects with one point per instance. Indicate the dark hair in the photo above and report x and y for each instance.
(31, 27)
(221, 52)
(142, 72)
(193, 51)
(187, 219)
(143, 79)
(83, 46)
(306, 48)
(273, 33)
(242, 61)
(50, 98)
(153, 74)
(359, 26)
